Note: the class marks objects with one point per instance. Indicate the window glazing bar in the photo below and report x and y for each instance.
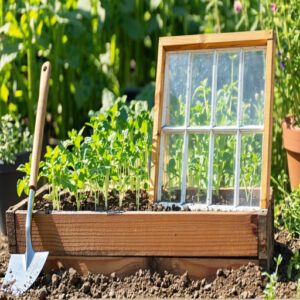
(186, 123)
(238, 136)
(212, 123)
(219, 129)
(166, 99)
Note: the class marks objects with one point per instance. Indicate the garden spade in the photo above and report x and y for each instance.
(23, 269)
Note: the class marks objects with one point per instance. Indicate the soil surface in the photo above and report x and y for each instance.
(89, 202)
(246, 282)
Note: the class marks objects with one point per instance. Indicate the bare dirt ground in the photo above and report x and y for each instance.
(244, 283)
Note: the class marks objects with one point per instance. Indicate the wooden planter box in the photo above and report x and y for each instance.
(197, 242)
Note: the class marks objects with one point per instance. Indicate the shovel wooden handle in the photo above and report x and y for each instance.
(39, 124)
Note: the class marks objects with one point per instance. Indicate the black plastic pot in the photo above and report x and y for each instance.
(8, 186)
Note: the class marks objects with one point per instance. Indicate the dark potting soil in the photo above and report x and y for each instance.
(88, 203)
(246, 282)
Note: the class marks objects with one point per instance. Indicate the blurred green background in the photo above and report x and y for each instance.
(103, 49)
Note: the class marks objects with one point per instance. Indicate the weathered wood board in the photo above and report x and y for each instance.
(200, 242)
(191, 234)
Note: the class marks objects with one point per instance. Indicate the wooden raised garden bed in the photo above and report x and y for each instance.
(199, 242)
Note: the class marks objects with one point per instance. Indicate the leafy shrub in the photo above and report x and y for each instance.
(291, 212)
(14, 138)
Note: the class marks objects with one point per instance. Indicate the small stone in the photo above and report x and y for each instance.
(244, 295)
(220, 272)
(62, 296)
(112, 293)
(62, 288)
(95, 292)
(185, 280)
(86, 287)
(207, 287)
(113, 276)
(203, 282)
(74, 276)
(104, 278)
(250, 295)
(196, 295)
(42, 293)
(197, 285)
(243, 282)
(233, 291)
(55, 280)
(293, 286)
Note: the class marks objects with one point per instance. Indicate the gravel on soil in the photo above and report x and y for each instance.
(244, 283)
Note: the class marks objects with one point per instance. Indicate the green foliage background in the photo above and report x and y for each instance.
(94, 46)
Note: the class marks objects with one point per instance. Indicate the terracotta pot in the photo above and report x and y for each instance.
(291, 142)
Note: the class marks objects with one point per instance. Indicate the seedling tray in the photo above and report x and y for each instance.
(126, 241)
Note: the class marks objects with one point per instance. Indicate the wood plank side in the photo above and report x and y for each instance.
(193, 234)
(160, 71)
(11, 231)
(268, 124)
(219, 40)
(197, 268)
(10, 220)
(122, 266)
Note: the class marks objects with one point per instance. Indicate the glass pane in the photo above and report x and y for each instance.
(250, 169)
(227, 89)
(254, 86)
(172, 165)
(176, 89)
(202, 64)
(197, 168)
(224, 170)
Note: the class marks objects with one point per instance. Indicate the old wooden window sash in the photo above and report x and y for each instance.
(184, 59)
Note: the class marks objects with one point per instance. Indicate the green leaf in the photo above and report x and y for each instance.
(4, 93)
(21, 185)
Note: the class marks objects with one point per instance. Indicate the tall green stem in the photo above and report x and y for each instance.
(2, 13)
(30, 102)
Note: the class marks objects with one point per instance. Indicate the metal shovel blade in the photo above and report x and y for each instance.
(18, 278)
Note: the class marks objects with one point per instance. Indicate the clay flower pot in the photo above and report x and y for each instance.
(291, 142)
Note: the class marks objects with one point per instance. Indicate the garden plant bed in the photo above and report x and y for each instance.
(244, 282)
(199, 242)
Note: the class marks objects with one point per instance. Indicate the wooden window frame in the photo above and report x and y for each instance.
(264, 38)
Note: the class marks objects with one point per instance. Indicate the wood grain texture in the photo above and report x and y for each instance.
(193, 234)
(122, 266)
(11, 231)
(219, 40)
(266, 237)
(197, 268)
(268, 124)
(160, 74)
(10, 220)
(39, 124)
